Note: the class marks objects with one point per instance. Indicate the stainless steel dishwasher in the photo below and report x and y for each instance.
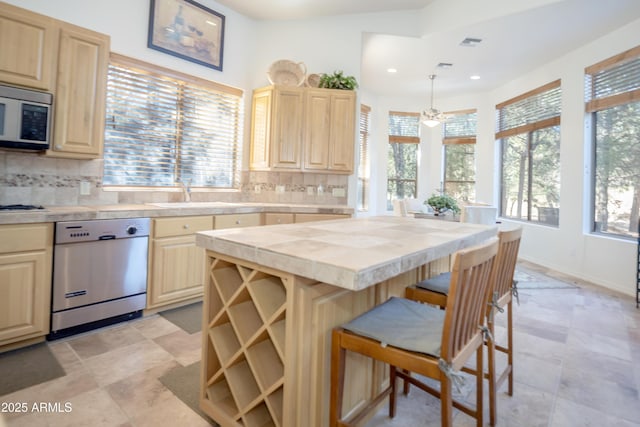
(99, 273)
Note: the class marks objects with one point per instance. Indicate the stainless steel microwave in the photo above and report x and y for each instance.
(25, 118)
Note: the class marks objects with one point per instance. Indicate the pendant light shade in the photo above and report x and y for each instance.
(432, 117)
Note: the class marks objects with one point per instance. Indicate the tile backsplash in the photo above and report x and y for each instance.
(30, 178)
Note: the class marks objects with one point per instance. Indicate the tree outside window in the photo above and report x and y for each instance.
(459, 155)
(613, 95)
(402, 159)
(529, 131)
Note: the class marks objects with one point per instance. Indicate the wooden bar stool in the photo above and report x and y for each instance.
(419, 338)
(436, 290)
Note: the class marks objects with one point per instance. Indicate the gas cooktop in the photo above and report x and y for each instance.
(19, 207)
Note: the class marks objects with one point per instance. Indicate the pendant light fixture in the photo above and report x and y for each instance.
(432, 117)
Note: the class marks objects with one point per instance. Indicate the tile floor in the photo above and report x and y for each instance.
(577, 364)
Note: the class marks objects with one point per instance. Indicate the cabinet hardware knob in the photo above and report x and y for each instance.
(237, 221)
(186, 226)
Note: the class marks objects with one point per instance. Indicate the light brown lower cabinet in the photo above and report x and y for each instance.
(176, 264)
(25, 283)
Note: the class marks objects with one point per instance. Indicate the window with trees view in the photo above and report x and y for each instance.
(612, 89)
(402, 160)
(529, 132)
(164, 128)
(459, 155)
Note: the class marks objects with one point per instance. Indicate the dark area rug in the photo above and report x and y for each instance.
(26, 367)
(187, 318)
(183, 381)
(531, 280)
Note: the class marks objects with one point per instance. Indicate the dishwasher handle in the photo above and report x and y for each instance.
(107, 237)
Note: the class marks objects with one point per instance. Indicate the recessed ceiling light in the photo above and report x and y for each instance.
(475, 77)
(391, 70)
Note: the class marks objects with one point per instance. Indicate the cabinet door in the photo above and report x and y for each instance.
(260, 129)
(28, 44)
(317, 130)
(342, 132)
(25, 295)
(80, 93)
(177, 270)
(286, 139)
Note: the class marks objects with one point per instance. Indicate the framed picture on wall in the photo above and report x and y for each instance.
(188, 30)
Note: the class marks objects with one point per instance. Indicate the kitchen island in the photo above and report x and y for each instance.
(274, 293)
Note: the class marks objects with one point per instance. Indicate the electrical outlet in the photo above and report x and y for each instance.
(311, 190)
(257, 188)
(338, 192)
(279, 189)
(320, 190)
(85, 188)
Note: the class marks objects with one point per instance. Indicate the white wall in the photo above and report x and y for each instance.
(570, 248)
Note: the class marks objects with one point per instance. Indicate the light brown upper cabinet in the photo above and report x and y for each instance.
(28, 47)
(276, 128)
(303, 129)
(81, 84)
(329, 130)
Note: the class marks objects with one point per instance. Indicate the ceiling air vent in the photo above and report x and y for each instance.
(444, 65)
(470, 42)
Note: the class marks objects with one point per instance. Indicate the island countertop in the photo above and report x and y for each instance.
(352, 253)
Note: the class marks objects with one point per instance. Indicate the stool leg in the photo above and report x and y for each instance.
(338, 355)
(392, 398)
(491, 362)
(479, 386)
(510, 344)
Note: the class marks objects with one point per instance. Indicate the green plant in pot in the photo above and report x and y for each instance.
(442, 203)
(338, 80)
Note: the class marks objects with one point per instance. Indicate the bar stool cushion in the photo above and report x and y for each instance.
(404, 324)
(439, 283)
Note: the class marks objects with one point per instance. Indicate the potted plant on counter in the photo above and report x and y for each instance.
(442, 203)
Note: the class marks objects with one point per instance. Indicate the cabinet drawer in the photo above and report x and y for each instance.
(238, 220)
(181, 226)
(25, 237)
(319, 217)
(278, 218)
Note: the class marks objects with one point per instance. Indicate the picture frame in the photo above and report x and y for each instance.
(187, 30)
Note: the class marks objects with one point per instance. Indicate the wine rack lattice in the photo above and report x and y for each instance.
(244, 349)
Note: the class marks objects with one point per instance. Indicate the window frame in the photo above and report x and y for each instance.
(454, 139)
(404, 139)
(595, 104)
(195, 83)
(526, 127)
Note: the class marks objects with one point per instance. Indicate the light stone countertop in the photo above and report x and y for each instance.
(350, 253)
(154, 210)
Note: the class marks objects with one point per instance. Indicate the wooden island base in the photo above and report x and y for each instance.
(266, 343)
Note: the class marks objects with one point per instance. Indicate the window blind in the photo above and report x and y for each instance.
(162, 130)
(533, 110)
(363, 169)
(460, 127)
(404, 127)
(613, 82)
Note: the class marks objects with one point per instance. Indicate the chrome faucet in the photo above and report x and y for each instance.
(186, 190)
